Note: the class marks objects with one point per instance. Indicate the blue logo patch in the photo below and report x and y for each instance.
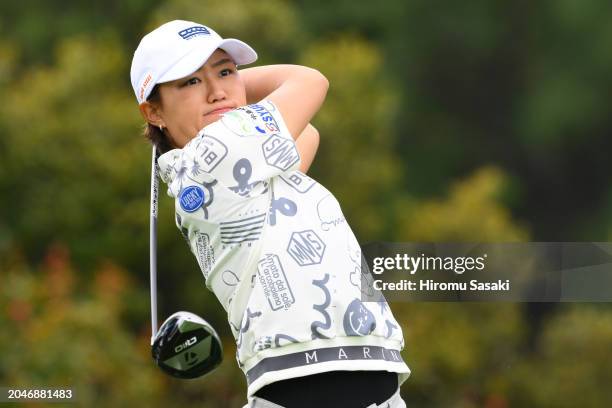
(191, 198)
(193, 31)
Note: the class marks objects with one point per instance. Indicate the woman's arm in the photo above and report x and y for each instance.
(307, 144)
(297, 91)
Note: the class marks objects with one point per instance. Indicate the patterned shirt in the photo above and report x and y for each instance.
(274, 247)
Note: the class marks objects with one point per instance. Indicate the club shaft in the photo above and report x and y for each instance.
(153, 244)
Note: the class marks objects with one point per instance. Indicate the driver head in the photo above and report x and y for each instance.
(186, 346)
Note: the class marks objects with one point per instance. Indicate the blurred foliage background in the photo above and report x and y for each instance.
(445, 121)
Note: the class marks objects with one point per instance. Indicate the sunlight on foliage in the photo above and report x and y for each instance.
(470, 213)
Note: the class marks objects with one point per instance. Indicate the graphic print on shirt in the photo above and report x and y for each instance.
(212, 152)
(298, 181)
(280, 152)
(205, 253)
(165, 172)
(195, 169)
(362, 281)
(242, 230)
(358, 319)
(267, 342)
(230, 278)
(274, 283)
(242, 173)
(242, 122)
(250, 120)
(286, 340)
(384, 311)
(283, 205)
(246, 323)
(390, 328)
(383, 307)
(316, 325)
(329, 212)
(265, 119)
(306, 248)
(181, 172)
(262, 343)
(194, 197)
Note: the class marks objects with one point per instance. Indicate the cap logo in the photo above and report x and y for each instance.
(190, 32)
(145, 84)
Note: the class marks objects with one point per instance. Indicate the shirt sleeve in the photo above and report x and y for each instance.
(247, 145)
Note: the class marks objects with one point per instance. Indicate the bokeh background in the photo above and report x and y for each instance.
(445, 121)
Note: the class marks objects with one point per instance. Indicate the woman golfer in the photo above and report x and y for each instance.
(272, 243)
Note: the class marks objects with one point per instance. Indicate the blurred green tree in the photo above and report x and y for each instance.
(72, 159)
(571, 367)
(518, 84)
(471, 213)
(356, 160)
(57, 335)
(62, 330)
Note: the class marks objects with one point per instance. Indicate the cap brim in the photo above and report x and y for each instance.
(239, 51)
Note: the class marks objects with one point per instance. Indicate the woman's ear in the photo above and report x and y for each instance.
(150, 113)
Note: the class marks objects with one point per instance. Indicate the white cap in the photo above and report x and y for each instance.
(177, 49)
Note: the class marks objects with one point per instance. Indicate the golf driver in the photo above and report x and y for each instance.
(185, 346)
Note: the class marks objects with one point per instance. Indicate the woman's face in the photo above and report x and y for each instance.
(190, 103)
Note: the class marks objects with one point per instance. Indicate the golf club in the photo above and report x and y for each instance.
(185, 346)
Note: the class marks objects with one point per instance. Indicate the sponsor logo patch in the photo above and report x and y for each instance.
(251, 120)
(194, 31)
(241, 123)
(268, 123)
(191, 198)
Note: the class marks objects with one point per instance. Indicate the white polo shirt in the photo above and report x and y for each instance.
(276, 250)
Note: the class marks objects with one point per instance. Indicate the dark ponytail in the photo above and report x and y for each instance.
(154, 134)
